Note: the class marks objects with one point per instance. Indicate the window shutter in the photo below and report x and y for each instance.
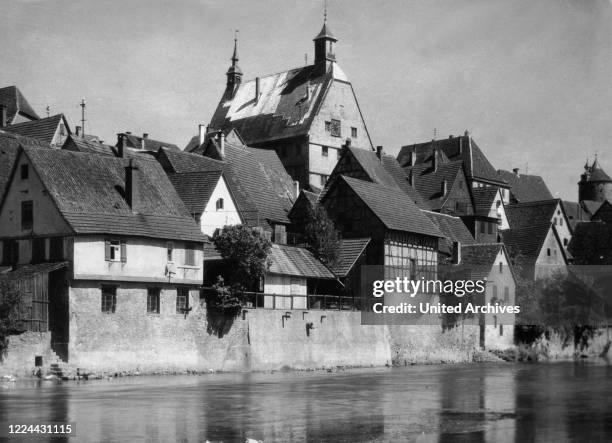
(107, 250)
(123, 251)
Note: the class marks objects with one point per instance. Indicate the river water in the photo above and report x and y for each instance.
(487, 402)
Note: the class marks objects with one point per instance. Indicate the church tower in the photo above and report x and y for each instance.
(234, 73)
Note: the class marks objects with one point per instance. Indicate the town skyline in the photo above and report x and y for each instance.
(530, 82)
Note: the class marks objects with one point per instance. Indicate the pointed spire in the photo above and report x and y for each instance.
(235, 55)
(234, 73)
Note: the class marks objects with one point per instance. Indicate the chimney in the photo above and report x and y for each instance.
(456, 259)
(132, 189)
(451, 136)
(128, 132)
(201, 134)
(296, 188)
(467, 133)
(347, 143)
(256, 89)
(77, 131)
(221, 139)
(120, 145)
(2, 116)
(516, 172)
(379, 152)
(145, 135)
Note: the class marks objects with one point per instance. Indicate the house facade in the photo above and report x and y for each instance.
(126, 255)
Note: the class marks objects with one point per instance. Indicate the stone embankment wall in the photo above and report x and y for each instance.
(22, 350)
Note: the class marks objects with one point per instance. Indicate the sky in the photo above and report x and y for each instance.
(531, 80)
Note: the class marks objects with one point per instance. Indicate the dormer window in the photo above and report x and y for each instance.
(219, 204)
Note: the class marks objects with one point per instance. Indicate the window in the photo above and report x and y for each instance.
(324, 151)
(190, 255)
(62, 129)
(182, 300)
(323, 179)
(24, 172)
(27, 215)
(115, 250)
(560, 222)
(506, 295)
(56, 248)
(169, 251)
(490, 225)
(219, 204)
(555, 221)
(501, 268)
(565, 242)
(153, 300)
(109, 299)
(548, 252)
(501, 330)
(482, 227)
(10, 252)
(353, 132)
(327, 126)
(335, 128)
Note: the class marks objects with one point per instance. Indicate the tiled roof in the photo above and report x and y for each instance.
(195, 188)
(28, 270)
(526, 188)
(87, 189)
(296, 261)
(261, 175)
(9, 146)
(477, 260)
(526, 242)
(483, 199)
(475, 163)
(349, 251)
(531, 213)
(429, 182)
(43, 129)
(590, 206)
(575, 213)
(74, 143)
(286, 106)
(15, 102)
(136, 142)
(453, 229)
(393, 208)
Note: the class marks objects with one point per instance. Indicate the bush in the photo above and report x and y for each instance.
(9, 299)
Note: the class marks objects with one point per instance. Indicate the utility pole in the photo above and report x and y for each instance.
(82, 105)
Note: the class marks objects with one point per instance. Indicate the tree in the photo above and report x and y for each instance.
(322, 236)
(245, 252)
(9, 316)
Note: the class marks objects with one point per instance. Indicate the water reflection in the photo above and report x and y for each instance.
(477, 403)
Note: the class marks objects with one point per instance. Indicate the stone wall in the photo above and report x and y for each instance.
(22, 349)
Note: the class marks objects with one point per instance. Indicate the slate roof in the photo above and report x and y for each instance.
(15, 102)
(287, 104)
(475, 163)
(453, 230)
(87, 189)
(526, 188)
(9, 146)
(595, 173)
(392, 207)
(296, 261)
(195, 188)
(349, 251)
(80, 144)
(531, 213)
(43, 129)
(136, 142)
(483, 200)
(428, 182)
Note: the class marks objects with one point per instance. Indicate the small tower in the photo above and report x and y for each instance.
(234, 73)
(594, 184)
(324, 46)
